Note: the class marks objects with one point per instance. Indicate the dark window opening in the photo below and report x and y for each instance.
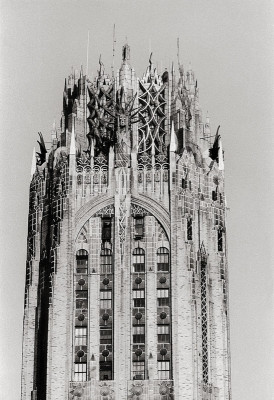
(220, 240)
(105, 370)
(81, 299)
(106, 262)
(138, 370)
(105, 336)
(106, 229)
(214, 195)
(138, 260)
(163, 259)
(139, 227)
(138, 298)
(82, 262)
(189, 229)
(184, 183)
(163, 297)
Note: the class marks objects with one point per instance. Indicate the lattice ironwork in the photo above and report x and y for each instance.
(204, 314)
(138, 210)
(122, 223)
(107, 211)
(151, 132)
(101, 123)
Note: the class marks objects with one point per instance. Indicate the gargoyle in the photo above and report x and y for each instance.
(43, 150)
(214, 151)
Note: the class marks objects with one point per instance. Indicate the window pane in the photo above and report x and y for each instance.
(80, 372)
(80, 336)
(163, 259)
(138, 370)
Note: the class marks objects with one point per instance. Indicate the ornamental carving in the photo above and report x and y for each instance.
(77, 391)
(138, 210)
(107, 211)
(166, 390)
(137, 389)
(106, 391)
(151, 132)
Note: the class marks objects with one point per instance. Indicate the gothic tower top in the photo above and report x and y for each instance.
(126, 272)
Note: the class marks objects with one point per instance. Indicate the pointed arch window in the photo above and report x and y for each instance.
(106, 262)
(82, 262)
(163, 259)
(138, 260)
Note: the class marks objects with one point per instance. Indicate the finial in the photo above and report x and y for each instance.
(150, 60)
(173, 146)
(33, 163)
(126, 53)
(101, 65)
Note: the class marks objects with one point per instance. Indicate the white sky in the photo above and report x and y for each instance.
(229, 44)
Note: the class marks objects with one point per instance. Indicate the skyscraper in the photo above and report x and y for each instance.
(126, 272)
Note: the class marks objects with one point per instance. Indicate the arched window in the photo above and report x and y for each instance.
(106, 262)
(220, 239)
(189, 229)
(138, 260)
(162, 259)
(82, 262)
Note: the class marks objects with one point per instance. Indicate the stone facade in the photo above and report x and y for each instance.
(126, 276)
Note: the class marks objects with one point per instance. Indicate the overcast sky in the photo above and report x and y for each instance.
(229, 44)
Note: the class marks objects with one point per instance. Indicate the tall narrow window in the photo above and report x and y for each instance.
(138, 334)
(138, 298)
(189, 229)
(105, 370)
(106, 229)
(214, 195)
(82, 262)
(163, 297)
(220, 239)
(138, 260)
(105, 336)
(163, 259)
(106, 262)
(163, 333)
(139, 227)
(80, 336)
(81, 299)
(80, 372)
(184, 183)
(105, 299)
(163, 369)
(138, 370)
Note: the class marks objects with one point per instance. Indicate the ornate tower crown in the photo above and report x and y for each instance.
(126, 272)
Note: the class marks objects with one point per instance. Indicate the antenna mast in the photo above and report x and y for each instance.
(87, 54)
(113, 50)
(178, 51)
